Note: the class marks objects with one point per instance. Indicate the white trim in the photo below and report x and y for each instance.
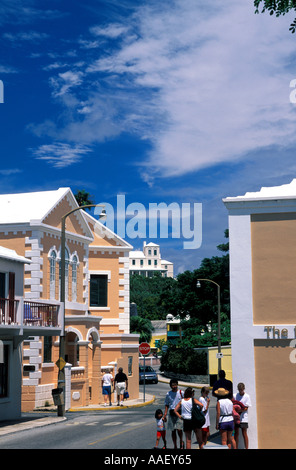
(241, 295)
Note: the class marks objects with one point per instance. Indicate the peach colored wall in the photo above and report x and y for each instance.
(274, 293)
(275, 379)
(54, 218)
(48, 243)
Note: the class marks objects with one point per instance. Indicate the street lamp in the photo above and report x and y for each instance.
(62, 361)
(219, 318)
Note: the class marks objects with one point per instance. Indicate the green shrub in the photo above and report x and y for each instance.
(184, 360)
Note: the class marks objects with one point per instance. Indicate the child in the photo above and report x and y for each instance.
(205, 400)
(160, 428)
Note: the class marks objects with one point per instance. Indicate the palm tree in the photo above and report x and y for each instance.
(83, 198)
(143, 327)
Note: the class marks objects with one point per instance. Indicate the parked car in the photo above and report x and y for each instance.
(150, 375)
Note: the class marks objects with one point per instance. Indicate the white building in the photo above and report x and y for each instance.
(148, 262)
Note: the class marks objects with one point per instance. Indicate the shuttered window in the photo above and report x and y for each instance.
(98, 290)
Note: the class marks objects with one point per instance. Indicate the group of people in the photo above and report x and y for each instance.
(120, 383)
(231, 414)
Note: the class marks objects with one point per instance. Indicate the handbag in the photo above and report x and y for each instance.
(197, 416)
(126, 395)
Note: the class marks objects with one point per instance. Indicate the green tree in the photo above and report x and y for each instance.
(147, 293)
(277, 7)
(142, 327)
(83, 198)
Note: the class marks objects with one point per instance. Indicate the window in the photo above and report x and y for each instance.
(141, 262)
(133, 262)
(74, 278)
(52, 274)
(155, 252)
(2, 285)
(66, 274)
(149, 262)
(130, 365)
(47, 347)
(155, 262)
(98, 290)
(4, 373)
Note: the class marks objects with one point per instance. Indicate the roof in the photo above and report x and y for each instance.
(137, 254)
(102, 230)
(6, 253)
(23, 207)
(285, 191)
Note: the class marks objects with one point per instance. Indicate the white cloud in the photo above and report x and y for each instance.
(61, 155)
(111, 31)
(205, 85)
(218, 79)
(65, 81)
(25, 36)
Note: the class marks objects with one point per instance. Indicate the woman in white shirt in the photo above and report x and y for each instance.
(224, 418)
(107, 380)
(185, 406)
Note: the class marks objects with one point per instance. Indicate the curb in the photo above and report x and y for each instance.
(109, 408)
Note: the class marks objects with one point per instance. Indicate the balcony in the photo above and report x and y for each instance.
(26, 317)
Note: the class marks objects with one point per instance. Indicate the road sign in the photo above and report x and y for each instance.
(219, 355)
(61, 363)
(164, 348)
(144, 349)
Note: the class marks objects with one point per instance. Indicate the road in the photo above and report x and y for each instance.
(133, 428)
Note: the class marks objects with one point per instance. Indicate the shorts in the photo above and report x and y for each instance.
(174, 423)
(242, 425)
(226, 426)
(106, 389)
(160, 434)
(120, 387)
(206, 429)
(188, 425)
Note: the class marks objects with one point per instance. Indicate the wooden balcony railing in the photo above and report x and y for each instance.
(38, 314)
(34, 313)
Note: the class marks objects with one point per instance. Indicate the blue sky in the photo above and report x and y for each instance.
(171, 101)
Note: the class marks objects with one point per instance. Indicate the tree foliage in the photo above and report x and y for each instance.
(183, 360)
(196, 307)
(83, 198)
(277, 8)
(147, 293)
(143, 327)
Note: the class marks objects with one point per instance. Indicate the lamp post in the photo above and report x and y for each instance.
(62, 361)
(219, 318)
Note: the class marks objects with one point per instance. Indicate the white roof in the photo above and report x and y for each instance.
(137, 254)
(12, 255)
(151, 244)
(164, 261)
(23, 207)
(279, 192)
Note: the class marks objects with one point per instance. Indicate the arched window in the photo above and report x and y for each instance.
(74, 278)
(67, 259)
(52, 274)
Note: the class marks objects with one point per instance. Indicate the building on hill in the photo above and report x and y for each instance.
(149, 261)
(97, 295)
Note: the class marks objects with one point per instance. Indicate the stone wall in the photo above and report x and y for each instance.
(196, 379)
